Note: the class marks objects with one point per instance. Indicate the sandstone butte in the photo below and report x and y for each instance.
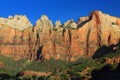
(91, 36)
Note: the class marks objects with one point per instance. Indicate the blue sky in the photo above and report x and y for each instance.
(62, 10)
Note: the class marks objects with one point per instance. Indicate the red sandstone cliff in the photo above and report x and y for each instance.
(91, 36)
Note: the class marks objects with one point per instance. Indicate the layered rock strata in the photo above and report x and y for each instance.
(91, 36)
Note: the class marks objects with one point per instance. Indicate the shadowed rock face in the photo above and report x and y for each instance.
(18, 39)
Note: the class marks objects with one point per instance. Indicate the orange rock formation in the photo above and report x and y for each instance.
(92, 36)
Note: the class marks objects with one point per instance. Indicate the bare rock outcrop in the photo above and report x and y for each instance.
(44, 24)
(1, 64)
(91, 36)
(98, 34)
(33, 73)
(57, 24)
(112, 60)
(15, 37)
(18, 21)
(70, 24)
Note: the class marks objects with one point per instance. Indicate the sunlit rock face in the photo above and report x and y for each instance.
(18, 22)
(15, 36)
(91, 36)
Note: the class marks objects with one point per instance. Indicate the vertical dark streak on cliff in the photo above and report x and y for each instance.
(99, 35)
(63, 32)
(30, 47)
(98, 27)
(109, 39)
(54, 46)
(14, 43)
(87, 41)
(69, 45)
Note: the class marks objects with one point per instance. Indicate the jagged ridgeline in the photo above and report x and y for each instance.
(91, 36)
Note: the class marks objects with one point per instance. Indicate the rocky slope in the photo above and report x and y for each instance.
(91, 36)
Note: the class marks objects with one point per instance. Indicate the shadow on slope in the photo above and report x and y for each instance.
(106, 73)
(4, 76)
(102, 51)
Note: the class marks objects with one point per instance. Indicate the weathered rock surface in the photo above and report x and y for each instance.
(1, 64)
(91, 36)
(57, 24)
(112, 60)
(15, 40)
(70, 24)
(33, 73)
(18, 22)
